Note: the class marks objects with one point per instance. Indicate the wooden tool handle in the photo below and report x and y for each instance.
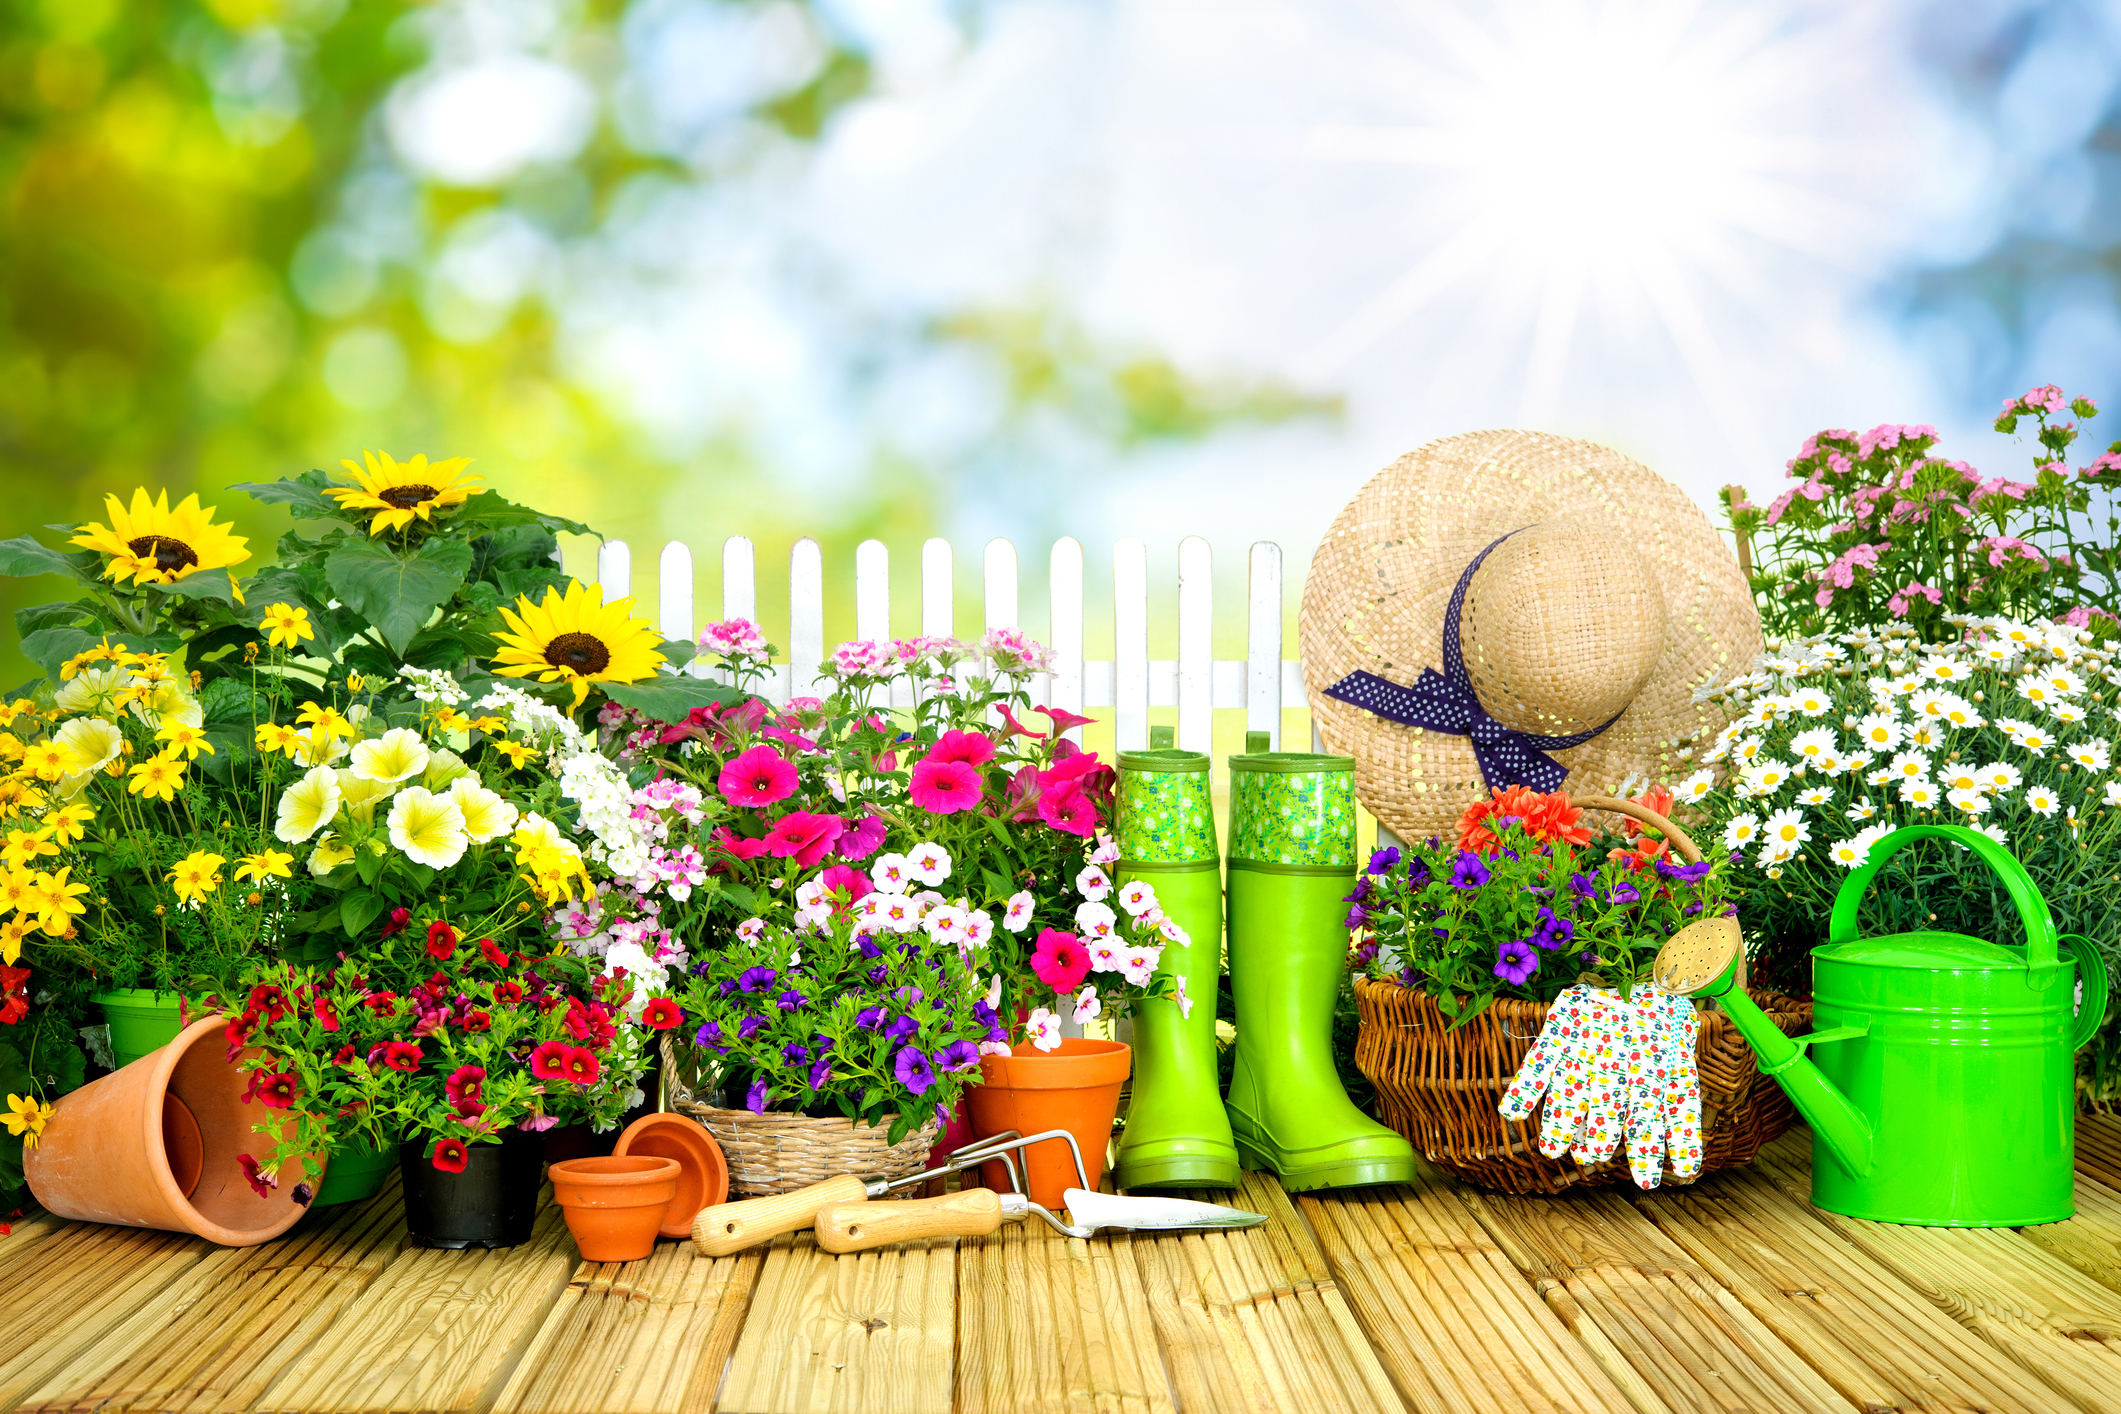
(857, 1227)
(731, 1227)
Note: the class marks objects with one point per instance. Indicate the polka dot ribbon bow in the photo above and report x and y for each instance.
(1445, 702)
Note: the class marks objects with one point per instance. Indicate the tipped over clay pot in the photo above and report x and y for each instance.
(614, 1205)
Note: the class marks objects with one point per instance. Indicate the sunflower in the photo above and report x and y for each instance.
(152, 544)
(398, 493)
(577, 638)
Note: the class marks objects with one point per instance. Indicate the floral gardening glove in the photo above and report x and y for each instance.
(1578, 1059)
(1664, 1109)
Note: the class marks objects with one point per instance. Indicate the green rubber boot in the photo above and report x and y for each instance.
(1177, 1135)
(1292, 859)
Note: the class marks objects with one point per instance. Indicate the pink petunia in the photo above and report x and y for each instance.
(803, 836)
(758, 777)
(1063, 719)
(1016, 728)
(944, 787)
(1067, 809)
(968, 747)
(737, 846)
(1060, 960)
(840, 879)
(865, 839)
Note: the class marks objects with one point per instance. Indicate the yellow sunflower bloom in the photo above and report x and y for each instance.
(397, 493)
(265, 864)
(13, 934)
(152, 544)
(577, 638)
(186, 740)
(285, 625)
(158, 777)
(196, 875)
(25, 845)
(26, 1117)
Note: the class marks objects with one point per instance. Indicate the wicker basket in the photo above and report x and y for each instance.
(1440, 1087)
(779, 1153)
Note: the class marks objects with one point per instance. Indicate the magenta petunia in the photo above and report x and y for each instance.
(758, 777)
(736, 846)
(847, 884)
(803, 836)
(1067, 809)
(865, 839)
(968, 747)
(1061, 961)
(944, 787)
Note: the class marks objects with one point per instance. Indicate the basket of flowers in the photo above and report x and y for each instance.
(1470, 941)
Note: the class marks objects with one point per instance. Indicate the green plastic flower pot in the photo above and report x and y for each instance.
(141, 1022)
(355, 1172)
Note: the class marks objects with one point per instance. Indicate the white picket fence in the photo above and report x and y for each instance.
(1195, 682)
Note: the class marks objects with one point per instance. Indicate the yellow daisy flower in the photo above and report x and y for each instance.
(104, 652)
(25, 845)
(26, 1117)
(18, 890)
(487, 724)
(49, 760)
(398, 493)
(285, 625)
(265, 864)
(61, 899)
(196, 875)
(152, 544)
(577, 638)
(272, 736)
(17, 796)
(449, 719)
(324, 722)
(517, 752)
(185, 740)
(158, 777)
(71, 822)
(13, 934)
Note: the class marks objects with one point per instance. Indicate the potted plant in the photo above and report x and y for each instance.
(1466, 942)
(1840, 739)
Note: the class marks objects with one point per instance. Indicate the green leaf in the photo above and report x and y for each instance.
(997, 885)
(303, 495)
(24, 556)
(397, 593)
(203, 584)
(679, 651)
(49, 648)
(668, 697)
(900, 1127)
(66, 615)
(229, 702)
(368, 864)
(489, 510)
(357, 910)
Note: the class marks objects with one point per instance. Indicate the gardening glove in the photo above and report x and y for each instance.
(1586, 1094)
(1661, 1077)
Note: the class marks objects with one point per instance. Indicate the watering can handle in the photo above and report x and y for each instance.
(2032, 909)
(2091, 976)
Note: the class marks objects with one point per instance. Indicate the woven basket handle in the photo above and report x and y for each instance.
(1681, 841)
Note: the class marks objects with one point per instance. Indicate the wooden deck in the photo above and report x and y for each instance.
(1732, 1295)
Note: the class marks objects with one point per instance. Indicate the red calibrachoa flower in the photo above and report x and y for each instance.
(320, 1007)
(276, 1088)
(381, 1003)
(238, 1033)
(267, 1001)
(261, 1182)
(395, 1055)
(463, 1083)
(477, 1021)
(346, 1055)
(441, 941)
(491, 951)
(399, 918)
(591, 1024)
(580, 1066)
(508, 993)
(662, 1014)
(549, 1061)
(451, 1155)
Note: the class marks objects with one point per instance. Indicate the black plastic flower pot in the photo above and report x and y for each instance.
(492, 1203)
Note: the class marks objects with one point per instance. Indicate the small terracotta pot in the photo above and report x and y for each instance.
(1073, 1087)
(614, 1205)
(155, 1144)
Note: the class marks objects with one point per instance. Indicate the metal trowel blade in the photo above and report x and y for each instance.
(1140, 1213)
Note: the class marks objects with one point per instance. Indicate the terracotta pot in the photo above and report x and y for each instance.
(614, 1206)
(957, 1133)
(703, 1175)
(156, 1143)
(1073, 1087)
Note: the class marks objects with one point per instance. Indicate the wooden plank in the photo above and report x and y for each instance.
(806, 617)
(673, 592)
(615, 569)
(740, 594)
(1686, 1337)
(2051, 1318)
(123, 1268)
(2099, 1148)
(1130, 644)
(436, 1331)
(1064, 597)
(2091, 1241)
(218, 1338)
(871, 1332)
(1878, 1341)
(1196, 645)
(1456, 1325)
(1263, 677)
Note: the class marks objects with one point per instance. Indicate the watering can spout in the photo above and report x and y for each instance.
(1701, 959)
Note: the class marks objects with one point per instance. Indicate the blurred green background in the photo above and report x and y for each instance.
(216, 265)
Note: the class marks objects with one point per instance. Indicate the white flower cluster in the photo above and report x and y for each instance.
(529, 716)
(432, 686)
(618, 840)
(1935, 737)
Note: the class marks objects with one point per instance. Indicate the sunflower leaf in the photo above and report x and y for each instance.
(49, 648)
(25, 555)
(303, 495)
(489, 510)
(200, 584)
(679, 651)
(670, 697)
(397, 593)
(29, 620)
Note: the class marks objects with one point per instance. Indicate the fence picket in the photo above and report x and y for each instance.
(1263, 663)
(806, 618)
(938, 590)
(673, 592)
(1130, 644)
(1196, 645)
(740, 595)
(615, 569)
(1064, 597)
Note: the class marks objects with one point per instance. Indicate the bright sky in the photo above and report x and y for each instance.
(1658, 224)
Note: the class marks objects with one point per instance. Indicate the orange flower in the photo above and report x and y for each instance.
(1546, 818)
(1657, 799)
(1646, 850)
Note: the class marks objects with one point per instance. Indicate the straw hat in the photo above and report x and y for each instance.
(1592, 597)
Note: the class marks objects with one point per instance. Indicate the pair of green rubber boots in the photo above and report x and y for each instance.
(1292, 861)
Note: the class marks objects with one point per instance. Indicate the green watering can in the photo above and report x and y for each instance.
(1943, 1092)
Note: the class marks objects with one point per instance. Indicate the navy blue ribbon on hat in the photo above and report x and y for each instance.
(1445, 702)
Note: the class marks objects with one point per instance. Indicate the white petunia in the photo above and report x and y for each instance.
(308, 805)
(1138, 964)
(397, 755)
(1107, 851)
(1087, 1006)
(1042, 1029)
(1173, 933)
(1137, 897)
(2042, 801)
(890, 874)
(751, 929)
(1741, 831)
(1017, 916)
(979, 927)
(427, 827)
(1093, 883)
(929, 863)
(1104, 954)
(486, 815)
(1786, 827)
(945, 924)
(1096, 920)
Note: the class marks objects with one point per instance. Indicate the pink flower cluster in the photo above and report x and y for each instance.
(735, 638)
(1016, 653)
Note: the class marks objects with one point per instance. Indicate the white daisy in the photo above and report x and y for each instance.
(1746, 751)
(1910, 766)
(1878, 731)
(2062, 682)
(1938, 668)
(2113, 792)
(1883, 776)
(2043, 802)
(1961, 714)
(1862, 810)
(1810, 701)
(1766, 777)
(1926, 734)
(1959, 778)
(2034, 689)
(2090, 754)
(1740, 831)
(1967, 802)
(1815, 795)
(1695, 787)
(1786, 827)
(1921, 794)
(1850, 852)
(1807, 745)
(2068, 714)
(1777, 852)
(2033, 739)
(2000, 776)
(1994, 832)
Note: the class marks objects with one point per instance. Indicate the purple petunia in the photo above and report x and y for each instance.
(1625, 892)
(1684, 873)
(909, 995)
(1468, 872)
(790, 1000)
(958, 1055)
(1554, 931)
(821, 1044)
(795, 1054)
(755, 1101)
(866, 948)
(913, 1071)
(749, 1027)
(755, 979)
(1584, 886)
(877, 974)
(1515, 961)
(710, 1034)
(1417, 870)
(1382, 861)
(1358, 917)
(870, 1018)
(901, 1028)
(820, 1072)
(1361, 892)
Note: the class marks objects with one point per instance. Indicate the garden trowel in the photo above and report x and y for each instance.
(975, 1212)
